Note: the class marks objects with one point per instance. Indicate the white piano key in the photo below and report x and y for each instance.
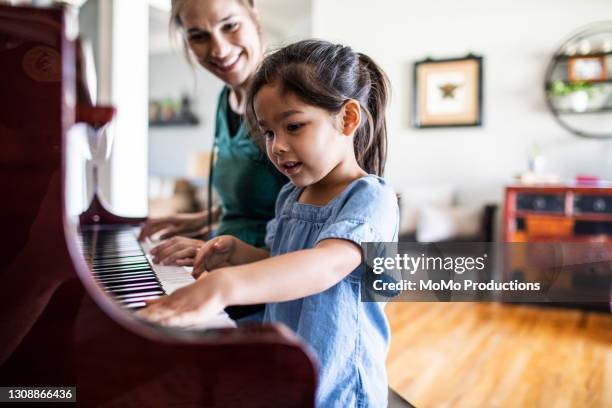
(171, 277)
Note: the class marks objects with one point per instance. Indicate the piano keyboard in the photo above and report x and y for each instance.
(124, 269)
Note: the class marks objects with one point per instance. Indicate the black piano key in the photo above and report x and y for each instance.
(122, 260)
(115, 286)
(125, 291)
(134, 305)
(99, 255)
(139, 298)
(123, 274)
(128, 278)
(120, 266)
(135, 295)
(117, 269)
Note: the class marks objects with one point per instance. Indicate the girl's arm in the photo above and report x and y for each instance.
(226, 250)
(276, 279)
(289, 276)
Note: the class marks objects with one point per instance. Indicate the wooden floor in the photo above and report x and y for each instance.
(493, 355)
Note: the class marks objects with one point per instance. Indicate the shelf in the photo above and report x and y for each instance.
(600, 187)
(595, 238)
(556, 216)
(586, 112)
(542, 214)
(567, 81)
(563, 57)
(177, 122)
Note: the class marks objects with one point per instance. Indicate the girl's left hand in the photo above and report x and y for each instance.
(187, 306)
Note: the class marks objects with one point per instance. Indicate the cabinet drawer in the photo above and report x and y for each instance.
(552, 203)
(593, 204)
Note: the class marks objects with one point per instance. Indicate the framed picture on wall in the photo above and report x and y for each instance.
(447, 92)
(587, 69)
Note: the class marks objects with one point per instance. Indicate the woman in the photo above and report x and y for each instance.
(225, 38)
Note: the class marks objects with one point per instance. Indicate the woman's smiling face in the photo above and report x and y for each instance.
(303, 141)
(224, 37)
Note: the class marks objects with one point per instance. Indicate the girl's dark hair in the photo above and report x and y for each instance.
(326, 75)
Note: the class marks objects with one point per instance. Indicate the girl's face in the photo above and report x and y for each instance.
(224, 38)
(304, 142)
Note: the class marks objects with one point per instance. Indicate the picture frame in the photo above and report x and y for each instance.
(587, 69)
(448, 92)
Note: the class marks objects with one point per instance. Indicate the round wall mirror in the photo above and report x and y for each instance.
(578, 82)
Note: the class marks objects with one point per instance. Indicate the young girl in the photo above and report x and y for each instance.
(320, 108)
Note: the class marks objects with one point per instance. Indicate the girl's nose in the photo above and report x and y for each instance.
(279, 145)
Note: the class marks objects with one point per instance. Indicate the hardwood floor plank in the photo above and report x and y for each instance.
(499, 355)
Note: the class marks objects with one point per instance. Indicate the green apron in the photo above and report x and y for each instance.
(245, 180)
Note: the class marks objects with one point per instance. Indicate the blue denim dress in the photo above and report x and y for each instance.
(349, 337)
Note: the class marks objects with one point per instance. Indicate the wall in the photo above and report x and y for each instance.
(516, 39)
(170, 147)
(170, 76)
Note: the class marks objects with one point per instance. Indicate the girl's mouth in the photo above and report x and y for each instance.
(291, 167)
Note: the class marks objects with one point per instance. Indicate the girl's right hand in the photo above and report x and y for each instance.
(173, 225)
(214, 254)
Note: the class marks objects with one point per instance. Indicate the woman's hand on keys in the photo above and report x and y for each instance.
(179, 251)
(173, 225)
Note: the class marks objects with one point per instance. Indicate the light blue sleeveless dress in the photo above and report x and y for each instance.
(349, 337)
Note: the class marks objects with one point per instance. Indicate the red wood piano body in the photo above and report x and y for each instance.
(57, 326)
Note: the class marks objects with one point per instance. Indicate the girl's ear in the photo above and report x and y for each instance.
(351, 117)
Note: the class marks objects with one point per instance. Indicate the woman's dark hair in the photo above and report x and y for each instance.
(326, 75)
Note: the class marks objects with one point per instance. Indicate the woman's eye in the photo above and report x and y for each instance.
(231, 27)
(199, 37)
(294, 127)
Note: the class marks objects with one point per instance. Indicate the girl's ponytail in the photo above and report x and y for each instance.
(371, 140)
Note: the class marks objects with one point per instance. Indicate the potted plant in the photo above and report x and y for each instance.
(571, 95)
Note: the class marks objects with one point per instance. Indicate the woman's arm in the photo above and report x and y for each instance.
(190, 223)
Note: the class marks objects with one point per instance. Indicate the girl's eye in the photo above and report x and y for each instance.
(268, 134)
(294, 127)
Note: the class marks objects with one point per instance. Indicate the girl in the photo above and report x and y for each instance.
(320, 108)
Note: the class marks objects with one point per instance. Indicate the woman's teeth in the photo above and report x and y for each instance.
(228, 65)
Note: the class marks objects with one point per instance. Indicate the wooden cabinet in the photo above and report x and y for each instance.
(558, 213)
(551, 219)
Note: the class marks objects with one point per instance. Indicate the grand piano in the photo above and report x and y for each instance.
(70, 284)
